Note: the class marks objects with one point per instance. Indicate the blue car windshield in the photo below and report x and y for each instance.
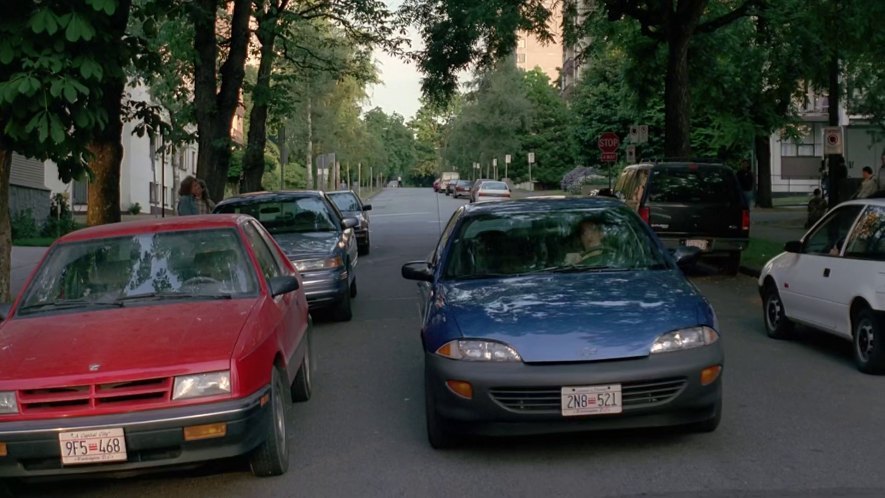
(601, 239)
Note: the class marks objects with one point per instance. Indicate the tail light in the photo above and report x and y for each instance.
(645, 214)
(745, 220)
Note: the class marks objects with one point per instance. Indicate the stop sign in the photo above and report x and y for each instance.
(608, 142)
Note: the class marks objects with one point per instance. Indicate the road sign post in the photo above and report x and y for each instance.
(531, 161)
(507, 166)
(833, 140)
(608, 144)
(495, 167)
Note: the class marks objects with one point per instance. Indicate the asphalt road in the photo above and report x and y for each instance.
(799, 420)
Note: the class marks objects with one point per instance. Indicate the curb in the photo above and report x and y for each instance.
(751, 272)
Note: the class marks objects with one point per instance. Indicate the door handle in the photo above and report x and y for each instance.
(826, 272)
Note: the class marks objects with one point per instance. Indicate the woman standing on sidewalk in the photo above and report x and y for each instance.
(186, 203)
(201, 197)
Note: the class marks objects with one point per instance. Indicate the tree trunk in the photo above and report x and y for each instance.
(309, 164)
(836, 171)
(253, 160)
(677, 101)
(215, 111)
(203, 15)
(762, 145)
(103, 204)
(5, 226)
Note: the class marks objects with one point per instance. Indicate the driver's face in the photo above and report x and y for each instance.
(591, 235)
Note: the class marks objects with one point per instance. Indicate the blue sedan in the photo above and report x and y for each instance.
(557, 315)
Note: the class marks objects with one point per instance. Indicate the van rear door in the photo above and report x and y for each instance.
(696, 201)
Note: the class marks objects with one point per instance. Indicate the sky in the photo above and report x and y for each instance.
(400, 86)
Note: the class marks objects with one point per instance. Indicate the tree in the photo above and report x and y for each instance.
(62, 107)
(217, 91)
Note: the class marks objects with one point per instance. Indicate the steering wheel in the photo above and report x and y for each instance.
(199, 280)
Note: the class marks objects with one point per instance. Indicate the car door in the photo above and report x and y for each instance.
(861, 271)
(811, 285)
(285, 312)
(427, 290)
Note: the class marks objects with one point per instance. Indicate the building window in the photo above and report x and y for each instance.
(520, 58)
(808, 144)
(521, 43)
(152, 193)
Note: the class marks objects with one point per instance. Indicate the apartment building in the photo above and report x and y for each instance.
(574, 12)
(532, 52)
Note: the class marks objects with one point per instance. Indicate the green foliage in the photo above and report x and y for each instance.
(271, 162)
(134, 208)
(61, 219)
(23, 225)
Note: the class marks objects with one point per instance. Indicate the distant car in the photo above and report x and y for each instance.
(832, 280)
(351, 206)
(315, 236)
(690, 204)
(491, 190)
(436, 185)
(559, 315)
(450, 186)
(154, 343)
(462, 189)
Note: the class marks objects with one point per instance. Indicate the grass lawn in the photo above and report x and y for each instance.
(34, 242)
(759, 252)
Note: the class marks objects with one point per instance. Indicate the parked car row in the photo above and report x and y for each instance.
(147, 344)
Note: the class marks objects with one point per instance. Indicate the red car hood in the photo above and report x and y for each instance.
(169, 339)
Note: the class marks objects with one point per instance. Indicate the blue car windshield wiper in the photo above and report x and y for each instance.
(581, 268)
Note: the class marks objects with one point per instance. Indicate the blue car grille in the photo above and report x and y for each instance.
(548, 399)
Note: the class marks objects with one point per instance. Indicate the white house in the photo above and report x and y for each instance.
(796, 164)
(148, 177)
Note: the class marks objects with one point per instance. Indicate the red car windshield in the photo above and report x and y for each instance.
(196, 263)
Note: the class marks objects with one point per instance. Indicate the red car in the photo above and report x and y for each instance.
(155, 343)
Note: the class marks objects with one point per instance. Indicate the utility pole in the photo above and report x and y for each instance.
(309, 163)
(359, 177)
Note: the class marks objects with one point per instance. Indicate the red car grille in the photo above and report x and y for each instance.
(93, 396)
(548, 399)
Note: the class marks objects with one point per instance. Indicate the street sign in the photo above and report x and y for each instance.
(495, 162)
(531, 157)
(507, 159)
(631, 154)
(634, 134)
(608, 142)
(643, 134)
(833, 140)
(609, 157)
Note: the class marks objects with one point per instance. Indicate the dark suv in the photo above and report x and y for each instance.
(690, 204)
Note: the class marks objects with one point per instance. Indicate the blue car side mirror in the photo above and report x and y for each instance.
(418, 270)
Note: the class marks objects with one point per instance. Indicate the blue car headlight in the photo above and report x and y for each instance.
(683, 339)
(474, 350)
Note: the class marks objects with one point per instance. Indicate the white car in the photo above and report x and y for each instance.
(833, 280)
(491, 190)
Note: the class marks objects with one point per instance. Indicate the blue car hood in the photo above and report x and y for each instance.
(307, 245)
(576, 316)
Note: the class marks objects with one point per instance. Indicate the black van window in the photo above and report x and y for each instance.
(708, 185)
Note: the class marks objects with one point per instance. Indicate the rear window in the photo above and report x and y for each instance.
(702, 185)
(494, 186)
(289, 215)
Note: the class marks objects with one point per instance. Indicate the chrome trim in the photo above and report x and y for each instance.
(250, 406)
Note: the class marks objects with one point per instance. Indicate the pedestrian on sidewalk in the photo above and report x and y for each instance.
(745, 179)
(186, 204)
(817, 208)
(201, 197)
(881, 176)
(868, 186)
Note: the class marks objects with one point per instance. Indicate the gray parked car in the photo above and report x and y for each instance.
(351, 206)
(315, 236)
